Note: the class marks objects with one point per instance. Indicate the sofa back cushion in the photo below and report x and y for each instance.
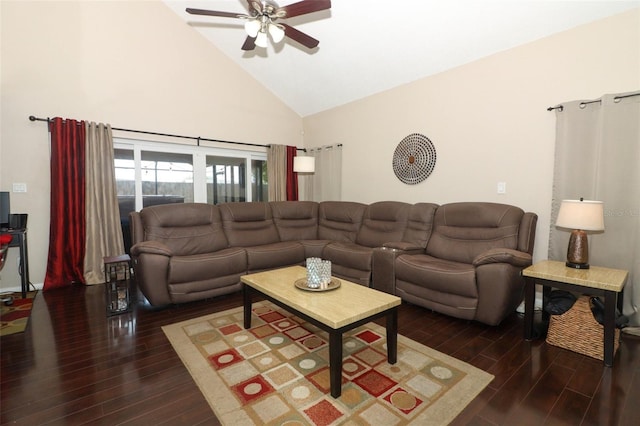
(339, 220)
(190, 228)
(420, 224)
(248, 224)
(461, 231)
(383, 222)
(295, 220)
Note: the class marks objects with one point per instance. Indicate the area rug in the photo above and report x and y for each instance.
(277, 373)
(15, 317)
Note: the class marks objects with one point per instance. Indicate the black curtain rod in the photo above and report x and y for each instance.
(582, 104)
(197, 139)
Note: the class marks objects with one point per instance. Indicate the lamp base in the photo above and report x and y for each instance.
(578, 250)
(577, 265)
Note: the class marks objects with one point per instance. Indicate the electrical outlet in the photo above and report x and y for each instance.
(502, 187)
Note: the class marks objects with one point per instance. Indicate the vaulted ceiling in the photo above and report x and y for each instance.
(368, 46)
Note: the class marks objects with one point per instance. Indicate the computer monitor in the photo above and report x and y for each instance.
(5, 209)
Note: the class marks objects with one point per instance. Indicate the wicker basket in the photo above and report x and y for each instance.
(578, 331)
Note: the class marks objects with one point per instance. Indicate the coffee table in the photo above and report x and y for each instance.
(334, 311)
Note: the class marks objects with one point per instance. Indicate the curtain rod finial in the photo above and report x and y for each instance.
(32, 118)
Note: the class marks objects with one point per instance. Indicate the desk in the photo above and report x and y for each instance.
(19, 239)
(596, 281)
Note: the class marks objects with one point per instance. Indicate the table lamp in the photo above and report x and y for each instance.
(304, 164)
(580, 215)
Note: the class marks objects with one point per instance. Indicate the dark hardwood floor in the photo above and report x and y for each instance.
(74, 365)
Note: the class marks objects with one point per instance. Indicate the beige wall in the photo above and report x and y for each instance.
(131, 64)
(488, 120)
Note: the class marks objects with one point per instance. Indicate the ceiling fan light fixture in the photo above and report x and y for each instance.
(259, 21)
(261, 39)
(277, 33)
(252, 26)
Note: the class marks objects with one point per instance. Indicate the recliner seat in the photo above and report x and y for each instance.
(471, 266)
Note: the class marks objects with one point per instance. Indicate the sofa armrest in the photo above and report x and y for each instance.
(151, 266)
(151, 247)
(502, 255)
(383, 268)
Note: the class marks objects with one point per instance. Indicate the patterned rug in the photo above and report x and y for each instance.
(277, 373)
(15, 317)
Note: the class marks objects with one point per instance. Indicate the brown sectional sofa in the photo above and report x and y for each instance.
(460, 259)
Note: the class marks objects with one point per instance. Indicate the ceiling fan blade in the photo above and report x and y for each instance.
(299, 36)
(254, 6)
(302, 8)
(214, 13)
(249, 43)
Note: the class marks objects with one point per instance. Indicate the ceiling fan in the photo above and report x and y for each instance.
(262, 17)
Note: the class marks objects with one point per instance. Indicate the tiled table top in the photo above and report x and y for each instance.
(594, 277)
(336, 308)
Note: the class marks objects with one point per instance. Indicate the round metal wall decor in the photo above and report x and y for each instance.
(414, 159)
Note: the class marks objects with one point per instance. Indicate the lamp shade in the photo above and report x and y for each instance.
(276, 32)
(304, 164)
(261, 39)
(252, 26)
(581, 214)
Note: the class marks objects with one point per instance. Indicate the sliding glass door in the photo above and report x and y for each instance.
(149, 173)
(147, 177)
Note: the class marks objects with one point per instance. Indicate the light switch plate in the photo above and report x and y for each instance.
(19, 187)
(502, 187)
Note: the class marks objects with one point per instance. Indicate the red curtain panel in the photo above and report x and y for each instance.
(67, 227)
(292, 177)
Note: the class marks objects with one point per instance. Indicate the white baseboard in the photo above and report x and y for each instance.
(18, 289)
(537, 304)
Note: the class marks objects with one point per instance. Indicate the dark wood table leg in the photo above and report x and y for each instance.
(335, 362)
(392, 336)
(529, 300)
(546, 291)
(246, 298)
(609, 326)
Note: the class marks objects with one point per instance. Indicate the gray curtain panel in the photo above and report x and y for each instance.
(597, 157)
(104, 232)
(325, 184)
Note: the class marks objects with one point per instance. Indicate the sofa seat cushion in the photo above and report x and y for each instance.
(443, 286)
(201, 267)
(438, 274)
(350, 261)
(313, 248)
(274, 255)
(349, 254)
